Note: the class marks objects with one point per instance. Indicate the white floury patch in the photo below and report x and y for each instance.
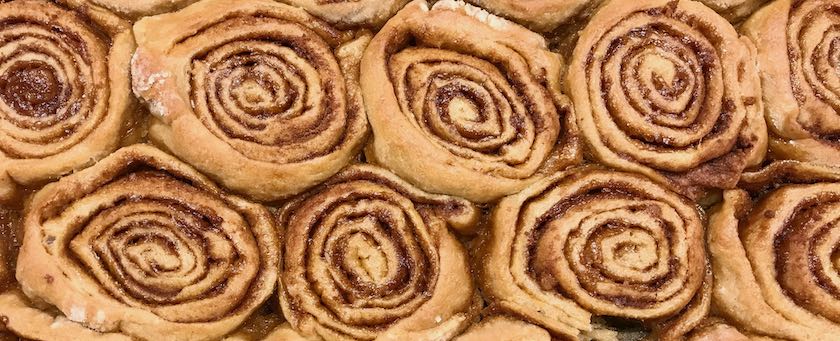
(473, 11)
(99, 319)
(158, 109)
(77, 314)
(144, 79)
(144, 84)
(57, 322)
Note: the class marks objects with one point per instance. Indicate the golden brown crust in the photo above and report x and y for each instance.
(261, 96)
(589, 242)
(773, 263)
(538, 15)
(734, 10)
(465, 103)
(64, 89)
(718, 332)
(143, 244)
(690, 319)
(19, 316)
(366, 255)
(502, 328)
(799, 78)
(668, 89)
(134, 9)
(351, 13)
(284, 333)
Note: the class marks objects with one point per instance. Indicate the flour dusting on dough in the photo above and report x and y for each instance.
(473, 11)
(77, 314)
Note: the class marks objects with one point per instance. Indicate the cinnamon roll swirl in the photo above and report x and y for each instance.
(539, 15)
(351, 13)
(592, 242)
(64, 89)
(668, 89)
(462, 102)
(260, 95)
(368, 256)
(776, 262)
(144, 245)
(799, 69)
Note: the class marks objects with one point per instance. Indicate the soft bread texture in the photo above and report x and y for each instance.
(539, 15)
(773, 257)
(368, 256)
(351, 13)
(465, 103)
(558, 253)
(134, 9)
(142, 244)
(261, 96)
(668, 89)
(432, 170)
(799, 78)
(25, 320)
(504, 329)
(65, 99)
(734, 10)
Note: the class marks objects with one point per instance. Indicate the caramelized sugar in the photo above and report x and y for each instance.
(9, 243)
(259, 325)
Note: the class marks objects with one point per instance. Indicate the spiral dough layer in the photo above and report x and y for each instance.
(797, 49)
(592, 242)
(781, 255)
(366, 255)
(268, 91)
(464, 103)
(142, 244)
(351, 13)
(64, 89)
(668, 89)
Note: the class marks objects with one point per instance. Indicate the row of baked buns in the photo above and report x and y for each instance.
(141, 245)
(594, 165)
(269, 100)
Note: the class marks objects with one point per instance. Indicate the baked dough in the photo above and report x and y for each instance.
(351, 13)
(261, 96)
(142, 244)
(775, 258)
(800, 78)
(593, 242)
(133, 9)
(465, 103)
(368, 256)
(668, 89)
(64, 89)
(539, 15)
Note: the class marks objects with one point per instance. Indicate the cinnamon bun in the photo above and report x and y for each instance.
(465, 103)
(142, 244)
(368, 256)
(668, 89)
(64, 89)
(261, 96)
